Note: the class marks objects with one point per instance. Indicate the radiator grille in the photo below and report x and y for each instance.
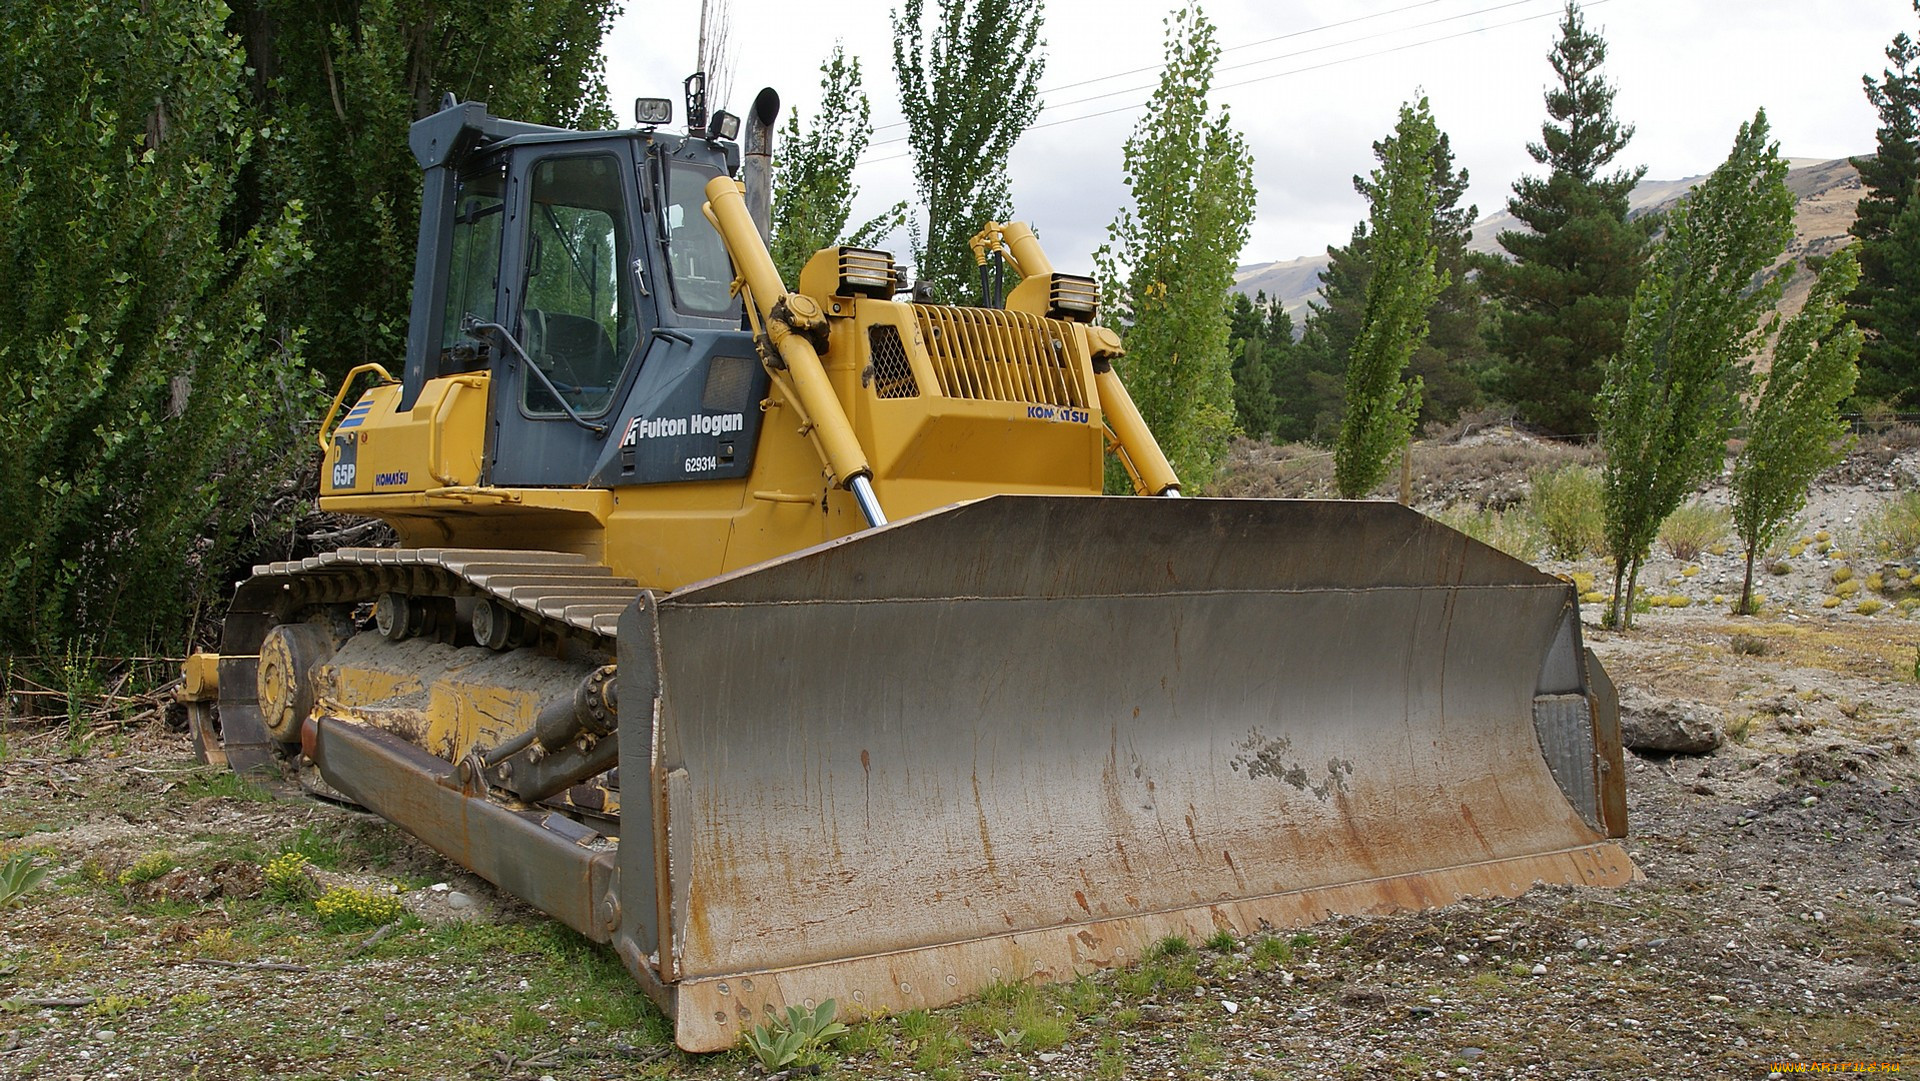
(892, 375)
(1000, 356)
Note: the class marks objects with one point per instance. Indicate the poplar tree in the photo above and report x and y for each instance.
(151, 406)
(1564, 288)
(969, 86)
(1884, 304)
(1671, 394)
(813, 189)
(1169, 260)
(1795, 430)
(1381, 407)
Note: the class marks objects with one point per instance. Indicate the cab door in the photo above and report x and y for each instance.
(572, 288)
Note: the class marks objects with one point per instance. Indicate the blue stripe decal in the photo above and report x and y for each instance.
(350, 422)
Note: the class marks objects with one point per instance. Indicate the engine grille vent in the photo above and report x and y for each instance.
(892, 375)
(988, 354)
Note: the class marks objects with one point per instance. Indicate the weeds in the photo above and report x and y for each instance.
(799, 1033)
(343, 908)
(20, 873)
(1512, 532)
(1692, 529)
(147, 868)
(287, 878)
(1567, 506)
(1894, 528)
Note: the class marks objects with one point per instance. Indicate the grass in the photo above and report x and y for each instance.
(1513, 531)
(1893, 528)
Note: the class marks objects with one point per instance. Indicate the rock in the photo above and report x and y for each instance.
(1668, 725)
(1229, 1005)
(458, 901)
(1719, 999)
(1469, 1053)
(1902, 900)
(1539, 970)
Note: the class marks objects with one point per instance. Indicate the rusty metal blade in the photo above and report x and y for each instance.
(1085, 721)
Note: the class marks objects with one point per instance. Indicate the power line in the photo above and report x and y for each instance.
(1227, 49)
(1275, 75)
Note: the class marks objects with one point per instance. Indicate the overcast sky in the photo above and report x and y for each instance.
(1319, 80)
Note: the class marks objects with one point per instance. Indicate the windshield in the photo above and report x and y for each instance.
(702, 273)
(578, 324)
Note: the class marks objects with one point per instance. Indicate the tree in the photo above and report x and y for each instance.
(967, 95)
(1260, 341)
(151, 407)
(813, 188)
(1449, 359)
(1381, 408)
(337, 87)
(1169, 260)
(1671, 394)
(1796, 430)
(1563, 293)
(1884, 303)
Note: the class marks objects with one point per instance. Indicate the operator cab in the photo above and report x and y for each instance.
(580, 271)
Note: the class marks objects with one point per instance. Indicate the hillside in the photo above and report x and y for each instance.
(1828, 193)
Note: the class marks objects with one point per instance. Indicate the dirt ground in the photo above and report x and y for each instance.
(1777, 927)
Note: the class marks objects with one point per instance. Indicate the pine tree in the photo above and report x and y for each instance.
(969, 86)
(1673, 390)
(813, 189)
(1260, 341)
(1192, 183)
(1381, 408)
(1884, 304)
(1796, 430)
(1564, 291)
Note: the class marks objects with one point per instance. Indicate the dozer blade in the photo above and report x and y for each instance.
(1029, 736)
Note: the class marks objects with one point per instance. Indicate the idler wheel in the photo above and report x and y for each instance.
(285, 684)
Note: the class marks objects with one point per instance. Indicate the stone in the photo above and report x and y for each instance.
(1649, 723)
(1539, 970)
(1469, 1053)
(1902, 900)
(458, 901)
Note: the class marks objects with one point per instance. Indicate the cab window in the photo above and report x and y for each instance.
(702, 274)
(578, 325)
(473, 273)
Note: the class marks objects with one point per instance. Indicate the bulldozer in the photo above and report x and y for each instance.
(781, 637)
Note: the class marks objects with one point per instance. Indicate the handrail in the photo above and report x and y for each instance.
(340, 396)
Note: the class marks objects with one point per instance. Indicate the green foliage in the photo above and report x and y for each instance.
(1170, 946)
(1169, 259)
(147, 868)
(1795, 430)
(1447, 360)
(1568, 505)
(969, 85)
(813, 189)
(152, 406)
(1564, 288)
(800, 1032)
(1671, 393)
(336, 87)
(1894, 526)
(19, 873)
(1381, 408)
(1886, 303)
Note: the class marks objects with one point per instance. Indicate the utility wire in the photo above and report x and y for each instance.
(1276, 75)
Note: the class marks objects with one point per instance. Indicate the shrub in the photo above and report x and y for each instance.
(1747, 645)
(1846, 589)
(1692, 529)
(1830, 602)
(1841, 574)
(287, 878)
(1567, 505)
(1894, 526)
(1868, 607)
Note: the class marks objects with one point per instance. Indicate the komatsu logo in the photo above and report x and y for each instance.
(1063, 413)
(667, 427)
(390, 480)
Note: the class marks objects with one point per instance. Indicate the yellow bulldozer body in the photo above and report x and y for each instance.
(830, 673)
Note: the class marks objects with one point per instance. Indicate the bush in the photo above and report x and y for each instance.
(343, 908)
(1894, 526)
(1692, 529)
(1566, 503)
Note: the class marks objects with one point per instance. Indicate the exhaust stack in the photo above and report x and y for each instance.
(758, 171)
